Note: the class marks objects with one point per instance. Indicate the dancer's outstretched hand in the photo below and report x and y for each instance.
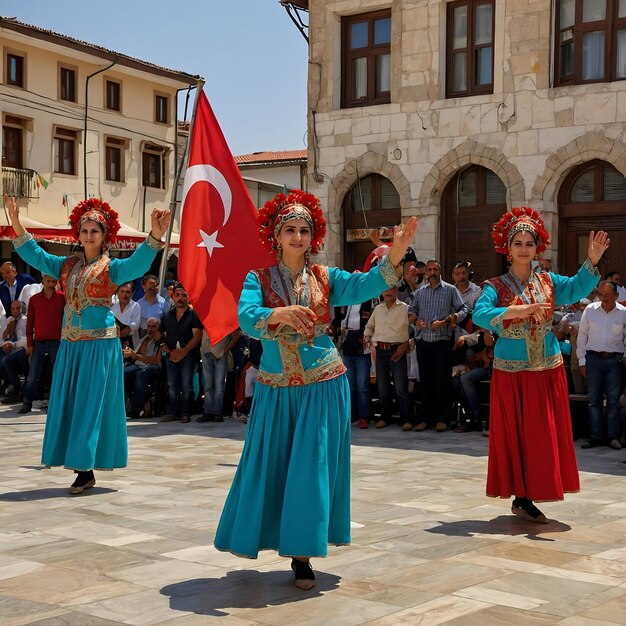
(13, 211)
(598, 243)
(402, 238)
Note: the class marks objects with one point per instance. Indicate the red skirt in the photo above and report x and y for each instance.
(531, 448)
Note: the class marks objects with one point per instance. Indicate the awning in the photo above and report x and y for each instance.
(128, 238)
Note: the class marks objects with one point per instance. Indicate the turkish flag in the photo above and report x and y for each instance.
(219, 242)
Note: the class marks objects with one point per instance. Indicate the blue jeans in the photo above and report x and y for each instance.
(214, 372)
(37, 361)
(467, 388)
(386, 369)
(180, 384)
(358, 372)
(604, 378)
(136, 382)
(12, 363)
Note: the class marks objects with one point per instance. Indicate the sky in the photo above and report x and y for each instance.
(250, 53)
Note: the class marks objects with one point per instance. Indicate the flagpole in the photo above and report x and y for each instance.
(179, 172)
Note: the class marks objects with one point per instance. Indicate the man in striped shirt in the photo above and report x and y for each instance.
(436, 309)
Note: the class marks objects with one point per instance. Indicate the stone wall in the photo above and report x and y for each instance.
(527, 132)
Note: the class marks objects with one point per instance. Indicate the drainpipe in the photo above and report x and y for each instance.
(104, 69)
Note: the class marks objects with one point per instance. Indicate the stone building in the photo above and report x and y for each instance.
(79, 120)
(455, 111)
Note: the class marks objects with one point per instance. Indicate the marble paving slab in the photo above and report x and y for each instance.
(428, 547)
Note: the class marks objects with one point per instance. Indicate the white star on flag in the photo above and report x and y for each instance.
(209, 242)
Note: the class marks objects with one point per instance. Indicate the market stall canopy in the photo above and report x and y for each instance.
(128, 238)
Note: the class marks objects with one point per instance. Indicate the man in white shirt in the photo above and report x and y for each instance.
(388, 331)
(601, 352)
(616, 277)
(127, 315)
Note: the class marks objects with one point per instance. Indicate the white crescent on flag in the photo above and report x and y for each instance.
(210, 174)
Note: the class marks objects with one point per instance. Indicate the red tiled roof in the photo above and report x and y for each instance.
(271, 157)
(64, 40)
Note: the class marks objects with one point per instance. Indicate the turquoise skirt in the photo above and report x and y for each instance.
(86, 423)
(291, 491)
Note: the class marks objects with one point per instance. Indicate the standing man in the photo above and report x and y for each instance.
(215, 370)
(183, 332)
(438, 308)
(462, 277)
(358, 360)
(601, 352)
(43, 335)
(127, 314)
(12, 284)
(388, 331)
(152, 304)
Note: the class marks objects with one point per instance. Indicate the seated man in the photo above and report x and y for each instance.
(12, 284)
(466, 383)
(15, 359)
(143, 367)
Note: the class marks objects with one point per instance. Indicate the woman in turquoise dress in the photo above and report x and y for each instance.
(291, 491)
(86, 423)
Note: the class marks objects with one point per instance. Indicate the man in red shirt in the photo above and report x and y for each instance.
(43, 335)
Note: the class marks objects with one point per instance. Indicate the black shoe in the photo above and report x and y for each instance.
(304, 576)
(205, 417)
(524, 508)
(14, 398)
(84, 480)
(218, 418)
(25, 408)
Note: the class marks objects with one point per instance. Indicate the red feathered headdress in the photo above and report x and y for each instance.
(517, 220)
(297, 205)
(98, 211)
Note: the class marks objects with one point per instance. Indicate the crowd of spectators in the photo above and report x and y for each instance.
(413, 357)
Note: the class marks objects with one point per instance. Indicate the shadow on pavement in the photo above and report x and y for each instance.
(247, 589)
(52, 492)
(600, 460)
(501, 525)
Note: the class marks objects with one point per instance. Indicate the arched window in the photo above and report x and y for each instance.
(592, 197)
(372, 203)
(472, 202)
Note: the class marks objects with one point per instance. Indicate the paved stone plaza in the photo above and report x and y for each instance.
(428, 548)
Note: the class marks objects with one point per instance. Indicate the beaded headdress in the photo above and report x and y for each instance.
(297, 205)
(98, 211)
(519, 219)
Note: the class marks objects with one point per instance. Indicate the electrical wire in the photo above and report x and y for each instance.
(27, 104)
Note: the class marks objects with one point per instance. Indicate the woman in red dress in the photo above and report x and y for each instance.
(531, 450)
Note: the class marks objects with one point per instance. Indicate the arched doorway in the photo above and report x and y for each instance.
(592, 197)
(472, 202)
(372, 203)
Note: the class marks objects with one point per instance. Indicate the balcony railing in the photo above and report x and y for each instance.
(20, 182)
